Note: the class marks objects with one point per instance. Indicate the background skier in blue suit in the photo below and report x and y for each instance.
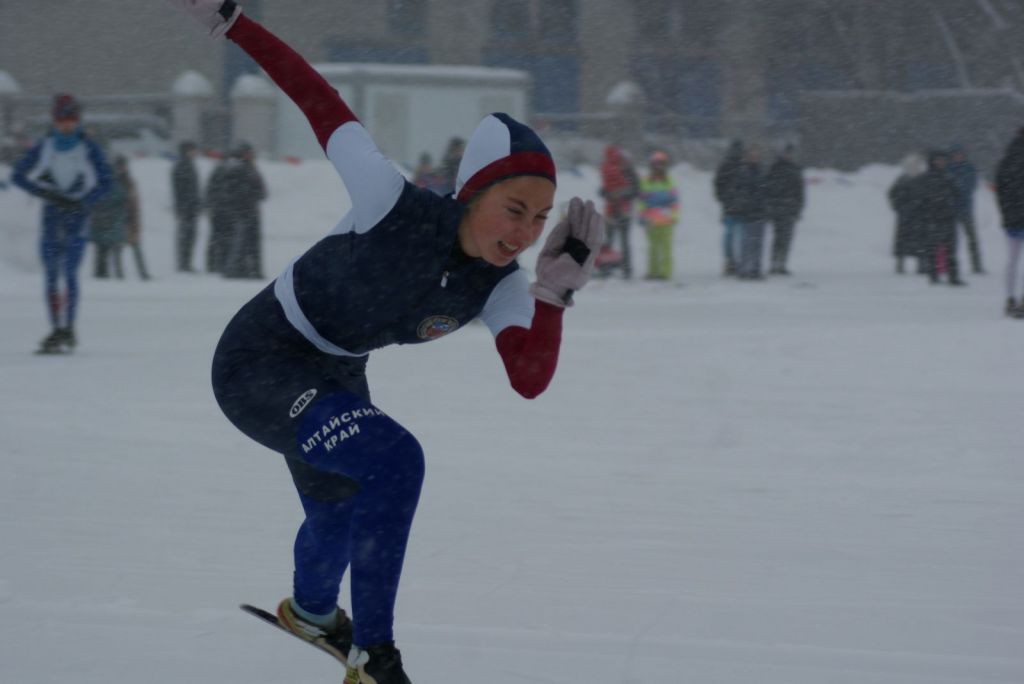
(68, 172)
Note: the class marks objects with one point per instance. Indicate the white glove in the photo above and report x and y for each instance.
(216, 15)
(567, 258)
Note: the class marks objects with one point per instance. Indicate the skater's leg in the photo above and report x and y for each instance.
(50, 251)
(74, 248)
(321, 554)
(345, 435)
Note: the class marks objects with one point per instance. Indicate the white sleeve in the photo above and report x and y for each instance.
(510, 303)
(372, 181)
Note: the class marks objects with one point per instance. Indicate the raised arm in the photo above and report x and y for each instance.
(317, 99)
(373, 183)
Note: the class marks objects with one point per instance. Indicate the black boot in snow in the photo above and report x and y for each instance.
(51, 344)
(381, 664)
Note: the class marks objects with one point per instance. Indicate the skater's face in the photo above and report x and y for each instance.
(506, 219)
(65, 126)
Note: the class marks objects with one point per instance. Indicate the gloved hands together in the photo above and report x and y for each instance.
(59, 199)
(216, 15)
(567, 258)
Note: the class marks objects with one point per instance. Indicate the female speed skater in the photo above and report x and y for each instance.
(403, 266)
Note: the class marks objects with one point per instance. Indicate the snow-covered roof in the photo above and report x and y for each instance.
(193, 84)
(250, 85)
(8, 86)
(423, 72)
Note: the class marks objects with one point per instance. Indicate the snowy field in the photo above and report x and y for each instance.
(812, 480)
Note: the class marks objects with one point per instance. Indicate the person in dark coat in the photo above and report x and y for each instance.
(965, 175)
(187, 204)
(784, 201)
(1010, 197)
(133, 215)
(447, 174)
(940, 198)
(905, 198)
(217, 203)
(725, 192)
(244, 190)
(107, 227)
(751, 212)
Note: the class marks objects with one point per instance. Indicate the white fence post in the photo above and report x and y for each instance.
(253, 107)
(190, 96)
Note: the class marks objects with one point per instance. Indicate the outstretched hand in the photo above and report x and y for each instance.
(216, 15)
(567, 258)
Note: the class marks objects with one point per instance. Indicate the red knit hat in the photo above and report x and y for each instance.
(66, 108)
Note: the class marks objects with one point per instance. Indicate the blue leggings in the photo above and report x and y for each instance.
(368, 531)
(61, 248)
(357, 471)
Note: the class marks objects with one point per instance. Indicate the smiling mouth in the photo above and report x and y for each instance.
(507, 249)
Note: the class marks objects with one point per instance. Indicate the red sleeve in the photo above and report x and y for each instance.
(317, 99)
(531, 356)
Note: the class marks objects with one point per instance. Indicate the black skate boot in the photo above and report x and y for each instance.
(337, 639)
(51, 344)
(67, 338)
(378, 664)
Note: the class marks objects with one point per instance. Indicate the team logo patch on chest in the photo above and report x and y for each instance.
(433, 327)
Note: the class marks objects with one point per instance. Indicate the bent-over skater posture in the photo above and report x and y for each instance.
(404, 265)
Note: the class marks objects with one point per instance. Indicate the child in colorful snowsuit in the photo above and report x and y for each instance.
(658, 208)
(404, 265)
(68, 172)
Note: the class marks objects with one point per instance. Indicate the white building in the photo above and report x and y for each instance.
(408, 109)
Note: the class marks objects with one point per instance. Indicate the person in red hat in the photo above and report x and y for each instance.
(405, 265)
(68, 171)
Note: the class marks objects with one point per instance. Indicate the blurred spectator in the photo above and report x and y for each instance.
(450, 165)
(107, 227)
(133, 215)
(940, 198)
(725, 185)
(784, 195)
(1010, 196)
(965, 175)
(67, 170)
(658, 209)
(244, 190)
(906, 198)
(187, 204)
(217, 202)
(750, 210)
(426, 176)
(619, 187)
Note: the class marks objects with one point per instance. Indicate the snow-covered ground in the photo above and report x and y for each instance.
(807, 480)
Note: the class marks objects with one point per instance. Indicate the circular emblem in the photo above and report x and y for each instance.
(433, 327)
